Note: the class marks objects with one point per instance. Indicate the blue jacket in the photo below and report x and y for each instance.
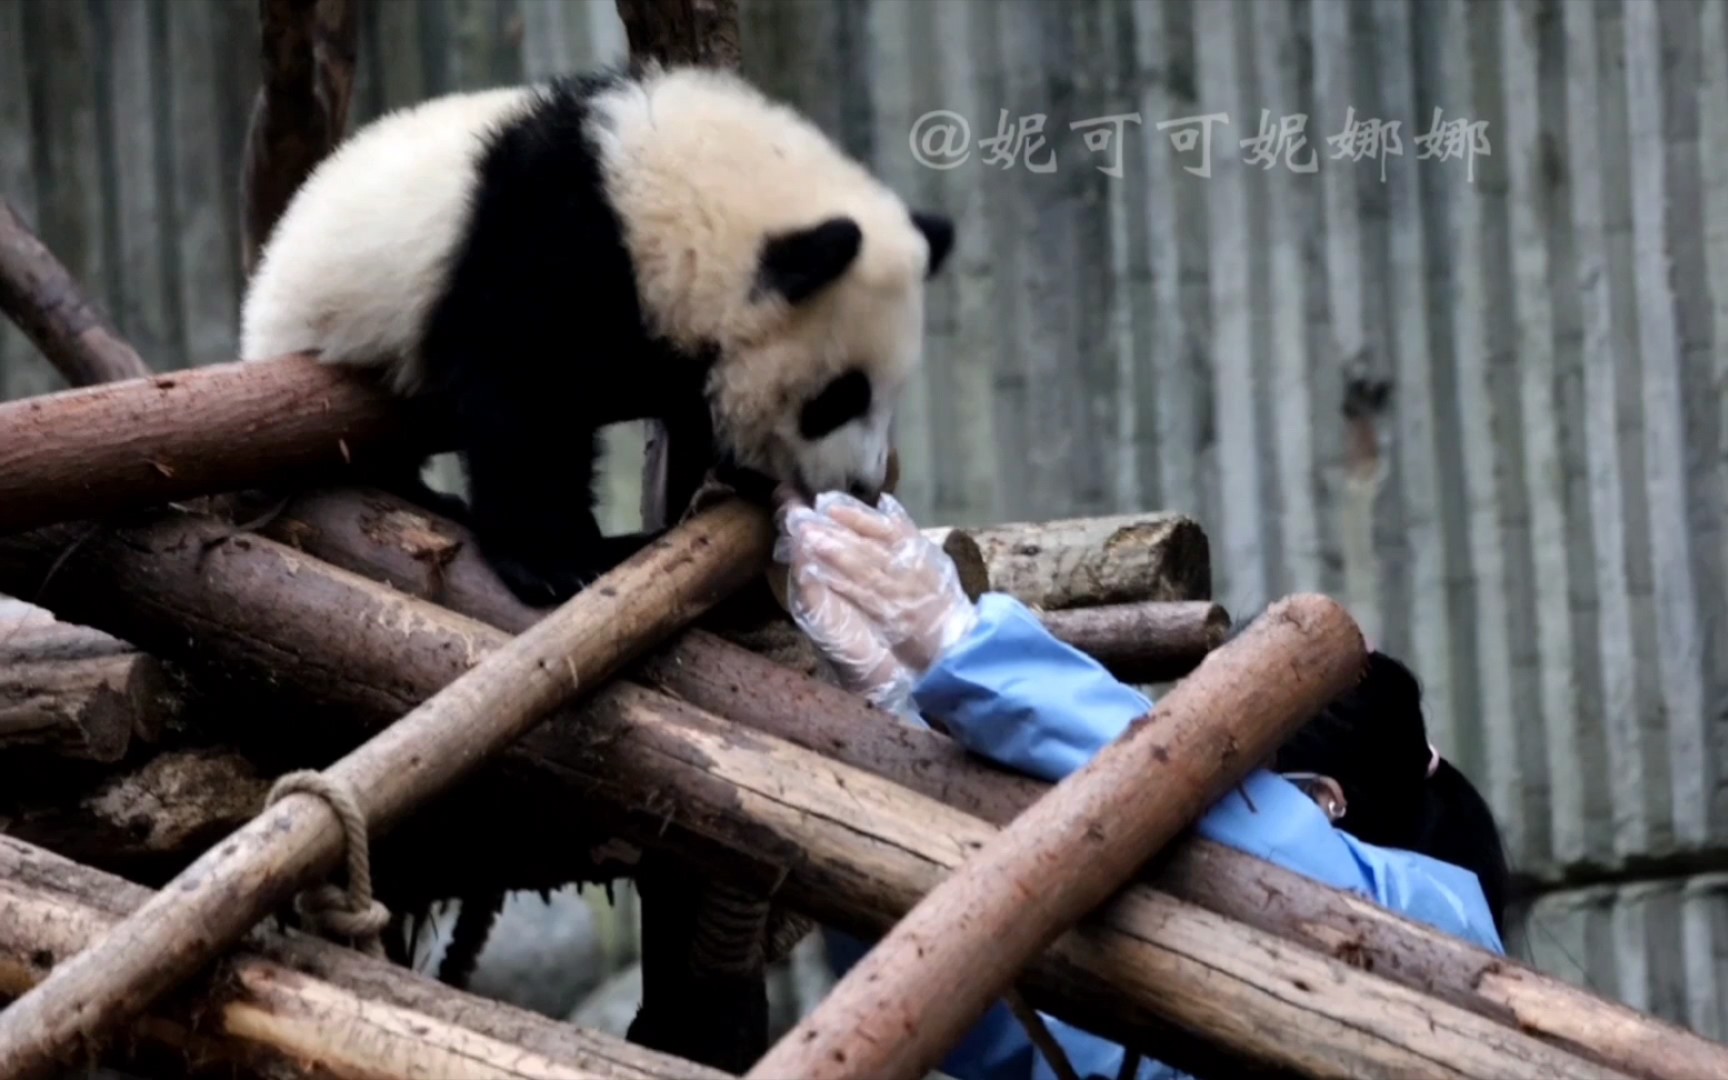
(1014, 694)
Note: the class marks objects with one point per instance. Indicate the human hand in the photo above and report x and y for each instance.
(899, 585)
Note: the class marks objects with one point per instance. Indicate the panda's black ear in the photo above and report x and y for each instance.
(797, 265)
(939, 234)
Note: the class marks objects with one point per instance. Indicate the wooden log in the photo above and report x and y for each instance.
(259, 606)
(77, 693)
(288, 1002)
(712, 790)
(299, 838)
(178, 802)
(1106, 560)
(293, 125)
(960, 546)
(912, 998)
(38, 293)
(223, 427)
(390, 539)
(682, 31)
(1149, 642)
(386, 539)
(91, 452)
(859, 851)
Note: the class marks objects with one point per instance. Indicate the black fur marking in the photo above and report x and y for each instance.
(798, 265)
(843, 400)
(939, 234)
(538, 341)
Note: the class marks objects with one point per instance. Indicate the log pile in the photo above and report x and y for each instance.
(281, 726)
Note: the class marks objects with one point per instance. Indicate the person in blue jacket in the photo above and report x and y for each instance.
(1357, 799)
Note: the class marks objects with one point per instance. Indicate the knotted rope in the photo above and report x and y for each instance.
(352, 912)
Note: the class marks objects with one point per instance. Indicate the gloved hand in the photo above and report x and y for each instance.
(878, 599)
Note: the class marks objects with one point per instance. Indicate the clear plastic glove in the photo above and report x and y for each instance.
(899, 586)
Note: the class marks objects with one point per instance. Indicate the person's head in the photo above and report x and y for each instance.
(1369, 757)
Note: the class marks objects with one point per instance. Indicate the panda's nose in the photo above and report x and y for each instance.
(865, 492)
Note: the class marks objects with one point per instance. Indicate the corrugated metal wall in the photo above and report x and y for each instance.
(1480, 397)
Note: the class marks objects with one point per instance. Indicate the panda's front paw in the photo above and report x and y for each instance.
(537, 584)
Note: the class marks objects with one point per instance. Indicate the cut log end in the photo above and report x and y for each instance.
(1084, 562)
(76, 693)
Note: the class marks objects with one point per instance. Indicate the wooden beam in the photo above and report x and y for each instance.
(39, 294)
(93, 452)
(299, 838)
(286, 1002)
(911, 999)
(390, 650)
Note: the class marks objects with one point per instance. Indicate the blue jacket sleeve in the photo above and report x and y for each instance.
(1013, 693)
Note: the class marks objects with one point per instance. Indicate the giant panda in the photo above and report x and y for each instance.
(641, 243)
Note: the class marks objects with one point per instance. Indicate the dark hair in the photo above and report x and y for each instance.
(1373, 742)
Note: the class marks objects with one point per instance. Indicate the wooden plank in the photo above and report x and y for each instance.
(1540, 417)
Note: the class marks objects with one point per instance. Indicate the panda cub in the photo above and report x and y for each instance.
(660, 243)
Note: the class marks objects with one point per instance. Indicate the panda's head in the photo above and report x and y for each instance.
(806, 396)
(761, 246)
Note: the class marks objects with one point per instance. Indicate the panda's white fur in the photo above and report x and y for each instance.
(341, 277)
(700, 172)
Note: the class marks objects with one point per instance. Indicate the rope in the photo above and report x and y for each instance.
(351, 912)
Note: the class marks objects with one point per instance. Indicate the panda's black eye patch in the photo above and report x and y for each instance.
(841, 401)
